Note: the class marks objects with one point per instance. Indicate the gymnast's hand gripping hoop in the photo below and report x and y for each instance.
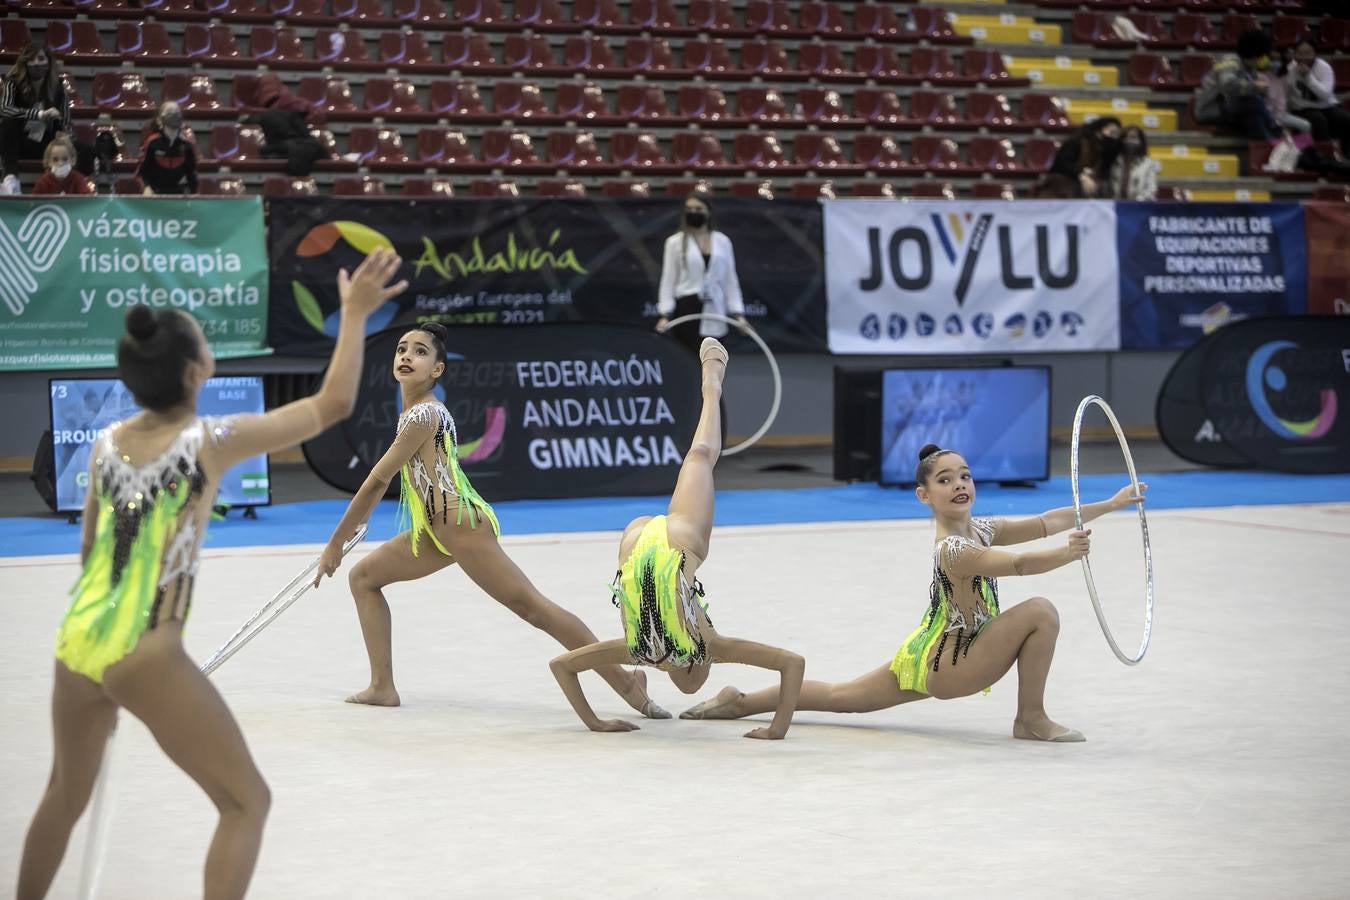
(773, 370)
(1143, 526)
(99, 810)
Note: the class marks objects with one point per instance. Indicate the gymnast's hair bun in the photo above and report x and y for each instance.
(436, 329)
(141, 323)
(927, 451)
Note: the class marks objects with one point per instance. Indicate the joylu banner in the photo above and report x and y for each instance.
(71, 267)
(970, 277)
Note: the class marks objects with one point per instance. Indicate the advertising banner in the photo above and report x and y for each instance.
(1328, 229)
(1188, 269)
(530, 262)
(970, 276)
(70, 268)
(549, 411)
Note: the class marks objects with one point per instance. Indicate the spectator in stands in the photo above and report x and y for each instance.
(1277, 99)
(285, 123)
(1087, 160)
(1311, 85)
(61, 176)
(1233, 93)
(168, 155)
(1134, 174)
(698, 274)
(33, 111)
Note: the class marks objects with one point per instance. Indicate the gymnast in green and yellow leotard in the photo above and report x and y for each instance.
(153, 480)
(965, 641)
(665, 619)
(439, 505)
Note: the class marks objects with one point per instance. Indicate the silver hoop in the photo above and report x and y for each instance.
(773, 369)
(1143, 526)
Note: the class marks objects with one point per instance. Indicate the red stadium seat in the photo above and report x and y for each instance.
(987, 66)
(933, 108)
(1095, 28)
(236, 144)
(880, 152)
(935, 64)
(405, 50)
(457, 99)
(824, 61)
(574, 150)
(77, 105)
(877, 20)
(817, 150)
(441, 146)
(147, 41)
(702, 103)
(993, 190)
(1044, 111)
(1333, 35)
(772, 16)
(626, 189)
(824, 106)
(436, 188)
(341, 48)
(934, 24)
(644, 100)
(823, 19)
(78, 40)
(1194, 68)
(221, 185)
(602, 15)
(712, 15)
(560, 188)
(813, 189)
(393, 97)
(508, 149)
(279, 48)
(379, 148)
(361, 12)
(1235, 25)
(14, 36)
(586, 54)
(1155, 33)
(529, 53)
(516, 99)
(759, 150)
(647, 54)
(331, 94)
(872, 188)
(1287, 31)
(991, 111)
(994, 154)
(494, 187)
(357, 186)
(933, 190)
(468, 51)
(938, 154)
(878, 61)
(583, 101)
(696, 150)
(680, 188)
(1040, 153)
(761, 104)
(211, 45)
(480, 13)
(542, 14)
(1151, 70)
(709, 57)
(122, 93)
(635, 150)
(289, 186)
(195, 94)
(758, 189)
(764, 57)
(306, 12)
(878, 106)
(654, 15)
(420, 13)
(1193, 30)
(1333, 193)
(244, 93)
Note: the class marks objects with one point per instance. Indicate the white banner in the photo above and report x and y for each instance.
(976, 276)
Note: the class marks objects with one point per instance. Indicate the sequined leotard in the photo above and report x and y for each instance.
(432, 480)
(658, 604)
(961, 603)
(140, 568)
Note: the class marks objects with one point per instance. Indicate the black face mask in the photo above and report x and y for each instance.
(695, 219)
(1110, 145)
(1134, 148)
(37, 73)
(173, 122)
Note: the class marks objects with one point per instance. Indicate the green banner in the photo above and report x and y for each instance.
(70, 268)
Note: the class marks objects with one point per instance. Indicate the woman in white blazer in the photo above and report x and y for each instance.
(698, 274)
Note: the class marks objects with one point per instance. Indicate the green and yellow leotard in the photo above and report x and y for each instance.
(426, 493)
(657, 602)
(952, 594)
(140, 568)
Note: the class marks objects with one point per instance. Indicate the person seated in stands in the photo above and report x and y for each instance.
(168, 154)
(1311, 87)
(1277, 101)
(1134, 174)
(285, 122)
(1233, 93)
(1085, 162)
(61, 176)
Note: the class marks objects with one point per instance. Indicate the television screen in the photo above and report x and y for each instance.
(997, 418)
(81, 407)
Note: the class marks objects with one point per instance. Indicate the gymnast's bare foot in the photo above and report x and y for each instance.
(376, 696)
(638, 699)
(723, 706)
(1041, 728)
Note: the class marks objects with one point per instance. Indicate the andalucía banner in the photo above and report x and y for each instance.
(71, 267)
(532, 262)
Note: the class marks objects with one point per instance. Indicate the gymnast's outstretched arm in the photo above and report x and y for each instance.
(789, 665)
(1017, 531)
(566, 668)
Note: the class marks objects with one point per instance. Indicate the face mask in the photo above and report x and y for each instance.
(37, 73)
(1132, 146)
(695, 219)
(175, 122)
(1110, 143)
(61, 171)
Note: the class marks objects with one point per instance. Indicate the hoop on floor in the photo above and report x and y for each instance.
(1091, 400)
(773, 369)
(93, 850)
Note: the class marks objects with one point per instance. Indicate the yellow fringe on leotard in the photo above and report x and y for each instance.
(412, 510)
(659, 621)
(911, 663)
